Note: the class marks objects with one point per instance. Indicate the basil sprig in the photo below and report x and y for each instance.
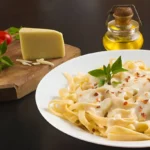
(5, 61)
(105, 75)
(14, 31)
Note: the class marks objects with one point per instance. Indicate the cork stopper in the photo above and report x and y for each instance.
(123, 15)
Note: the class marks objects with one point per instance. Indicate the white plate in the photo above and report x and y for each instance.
(54, 80)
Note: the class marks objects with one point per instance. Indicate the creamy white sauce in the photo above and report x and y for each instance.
(130, 99)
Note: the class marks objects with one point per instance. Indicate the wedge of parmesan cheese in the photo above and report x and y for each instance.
(41, 43)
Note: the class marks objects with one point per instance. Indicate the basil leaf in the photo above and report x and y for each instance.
(117, 64)
(97, 73)
(3, 48)
(108, 68)
(105, 69)
(101, 82)
(1, 68)
(6, 61)
(119, 70)
(13, 30)
(115, 83)
(109, 74)
(17, 37)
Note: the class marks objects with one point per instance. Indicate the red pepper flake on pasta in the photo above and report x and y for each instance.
(125, 103)
(93, 130)
(127, 79)
(98, 107)
(148, 79)
(143, 115)
(145, 101)
(137, 74)
(123, 84)
(95, 94)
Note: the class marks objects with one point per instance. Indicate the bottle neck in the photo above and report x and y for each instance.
(123, 21)
(128, 32)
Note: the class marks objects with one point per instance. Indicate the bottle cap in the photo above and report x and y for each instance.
(123, 14)
(123, 11)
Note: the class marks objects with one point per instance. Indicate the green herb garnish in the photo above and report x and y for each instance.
(101, 82)
(5, 61)
(115, 83)
(14, 31)
(105, 75)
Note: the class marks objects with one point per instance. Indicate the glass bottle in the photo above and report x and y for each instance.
(123, 32)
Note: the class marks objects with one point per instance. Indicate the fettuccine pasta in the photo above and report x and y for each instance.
(120, 112)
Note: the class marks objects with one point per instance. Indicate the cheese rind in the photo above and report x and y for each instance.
(41, 43)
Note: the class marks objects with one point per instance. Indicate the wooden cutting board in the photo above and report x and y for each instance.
(19, 80)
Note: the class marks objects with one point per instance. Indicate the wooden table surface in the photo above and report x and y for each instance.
(82, 23)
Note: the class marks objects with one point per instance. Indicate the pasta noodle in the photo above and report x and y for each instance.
(119, 112)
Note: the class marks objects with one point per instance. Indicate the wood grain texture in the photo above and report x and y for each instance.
(20, 80)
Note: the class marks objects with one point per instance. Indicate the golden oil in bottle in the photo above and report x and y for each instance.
(123, 32)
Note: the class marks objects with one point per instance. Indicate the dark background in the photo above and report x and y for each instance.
(82, 23)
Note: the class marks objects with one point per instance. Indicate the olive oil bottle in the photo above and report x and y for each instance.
(123, 32)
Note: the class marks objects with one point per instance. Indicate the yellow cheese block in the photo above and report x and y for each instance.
(41, 43)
